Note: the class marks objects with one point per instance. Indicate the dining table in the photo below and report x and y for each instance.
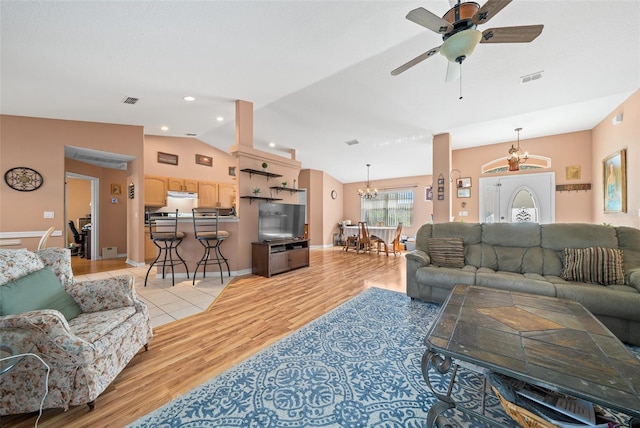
(386, 233)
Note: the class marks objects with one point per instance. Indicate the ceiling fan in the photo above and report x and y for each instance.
(458, 29)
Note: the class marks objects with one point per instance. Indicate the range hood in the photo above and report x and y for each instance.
(182, 195)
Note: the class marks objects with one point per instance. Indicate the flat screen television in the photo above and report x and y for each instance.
(280, 221)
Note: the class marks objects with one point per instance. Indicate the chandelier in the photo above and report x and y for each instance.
(516, 156)
(368, 193)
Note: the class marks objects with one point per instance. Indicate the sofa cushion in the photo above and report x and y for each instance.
(446, 252)
(92, 326)
(558, 236)
(594, 265)
(38, 290)
(15, 264)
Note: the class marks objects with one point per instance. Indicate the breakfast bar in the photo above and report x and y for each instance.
(191, 250)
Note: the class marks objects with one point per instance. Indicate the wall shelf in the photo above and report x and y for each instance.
(284, 189)
(259, 198)
(252, 172)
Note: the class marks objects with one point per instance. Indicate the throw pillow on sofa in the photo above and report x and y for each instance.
(595, 265)
(446, 252)
(38, 290)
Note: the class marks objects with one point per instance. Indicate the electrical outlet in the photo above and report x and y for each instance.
(49, 214)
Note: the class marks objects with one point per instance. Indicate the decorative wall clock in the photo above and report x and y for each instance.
(23, 179)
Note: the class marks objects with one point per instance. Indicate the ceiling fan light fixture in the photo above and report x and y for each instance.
(460, 45)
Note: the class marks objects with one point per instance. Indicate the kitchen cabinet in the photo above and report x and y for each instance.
(227, 195)
(155, 191)
(207, 194)
(182, 184)
(212, 194)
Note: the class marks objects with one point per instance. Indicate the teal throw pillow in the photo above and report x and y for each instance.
(38, 290)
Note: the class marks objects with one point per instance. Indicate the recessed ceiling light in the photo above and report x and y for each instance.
(219, 118)
(164, 128)
(189, 98)
(272, 144)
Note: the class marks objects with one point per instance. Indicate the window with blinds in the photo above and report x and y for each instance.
(389, 207)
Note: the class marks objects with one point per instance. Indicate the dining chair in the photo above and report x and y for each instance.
(364, 241)
(395, 244)
(378, 243)
(43, 241)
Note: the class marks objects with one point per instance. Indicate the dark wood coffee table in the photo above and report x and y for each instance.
(549, 342)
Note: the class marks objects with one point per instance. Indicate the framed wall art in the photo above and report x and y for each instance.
(232, 171)
(167, 158)
(463, 183)
(428, 193)
(116, 189)
(464, 193)
(573, 172)
(614, 182)
(204, 160)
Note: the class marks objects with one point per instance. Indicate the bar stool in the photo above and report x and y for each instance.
(205, 227)
(164, 234)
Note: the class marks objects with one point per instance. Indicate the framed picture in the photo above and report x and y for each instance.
(440, 189)
(428, 193)
(573, 172)
(441, 197)
(464, 193)
(167, 158)
(441, 180)
(232, 171)
(614, 182)
(116, 189)
(463, 182)
(204, 160)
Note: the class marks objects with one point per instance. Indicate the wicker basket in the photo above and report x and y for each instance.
(522, 416)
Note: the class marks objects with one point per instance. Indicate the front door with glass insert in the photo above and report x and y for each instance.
(518, 198)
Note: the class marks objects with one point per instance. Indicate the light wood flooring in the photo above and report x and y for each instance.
(251, 313)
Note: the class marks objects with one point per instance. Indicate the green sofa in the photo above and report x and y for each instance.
(547, 259)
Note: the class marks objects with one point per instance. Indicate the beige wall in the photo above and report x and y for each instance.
(186, 149)
(564, 150)
(39, 144)
(78, 202)
(607, 139)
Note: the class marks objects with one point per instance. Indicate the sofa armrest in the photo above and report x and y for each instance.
(419, 256)
(104, 294)
(634, 278)
(51, 336)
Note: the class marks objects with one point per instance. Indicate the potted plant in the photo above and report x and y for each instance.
(256, 191)
(264, 166)
(284, 184)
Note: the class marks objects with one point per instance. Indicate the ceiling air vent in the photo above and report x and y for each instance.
(130, 100)
(531, 77)
(191, 135)
(352, 142)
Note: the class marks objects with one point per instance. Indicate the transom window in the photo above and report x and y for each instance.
(389, 207)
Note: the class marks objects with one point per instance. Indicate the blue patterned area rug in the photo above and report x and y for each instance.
(356, 366)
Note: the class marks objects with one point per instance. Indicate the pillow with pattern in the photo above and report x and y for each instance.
(594, 265)
(446, 252)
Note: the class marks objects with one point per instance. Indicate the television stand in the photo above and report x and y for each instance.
(273, 257)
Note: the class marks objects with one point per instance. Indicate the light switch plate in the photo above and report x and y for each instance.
(49, 214)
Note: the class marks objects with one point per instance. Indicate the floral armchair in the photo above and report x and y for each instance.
(85, 353)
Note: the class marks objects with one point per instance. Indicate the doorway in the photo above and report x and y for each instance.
(77, 213)
(518, 198)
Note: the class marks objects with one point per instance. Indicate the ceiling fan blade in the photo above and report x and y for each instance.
(522, 34)
(429, 20)
(453, 71)
(416, 60)
(489, 10)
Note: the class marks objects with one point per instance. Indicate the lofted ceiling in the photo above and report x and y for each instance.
(318, 74)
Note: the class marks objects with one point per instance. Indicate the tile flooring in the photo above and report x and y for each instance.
(168, 303)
